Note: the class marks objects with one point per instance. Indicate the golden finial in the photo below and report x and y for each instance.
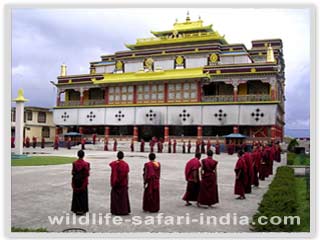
(20, 97)
(270, 54)
(63, 71)
(188, 17)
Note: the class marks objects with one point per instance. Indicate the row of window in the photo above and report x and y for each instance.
(42, 116)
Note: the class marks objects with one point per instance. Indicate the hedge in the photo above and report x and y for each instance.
(280, 200)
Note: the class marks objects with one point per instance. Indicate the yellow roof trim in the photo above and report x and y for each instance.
(151, 76)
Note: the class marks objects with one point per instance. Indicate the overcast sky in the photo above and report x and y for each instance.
(43, 39)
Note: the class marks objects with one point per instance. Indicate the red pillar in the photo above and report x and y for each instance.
(135, 94)
(106, 132)
(273, 94)
(199, 91)
(166, 134)
(106, 95)
(165, 97)
(199, 132)
(235, 129)
(81, 130)
(135, 133)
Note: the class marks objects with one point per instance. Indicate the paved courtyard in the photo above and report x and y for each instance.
(42, 191)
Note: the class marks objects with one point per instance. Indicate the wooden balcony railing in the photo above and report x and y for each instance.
(241, 98)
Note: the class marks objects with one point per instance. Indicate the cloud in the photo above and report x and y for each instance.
(43, 39)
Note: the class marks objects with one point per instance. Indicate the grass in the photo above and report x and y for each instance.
(15, 229)
(42, 161)
(303, 209)
(298, 159)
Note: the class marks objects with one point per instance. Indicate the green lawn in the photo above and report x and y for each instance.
(42, 161)
(303, 209)
(298, 159)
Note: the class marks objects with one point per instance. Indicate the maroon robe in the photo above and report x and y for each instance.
(208, 193)
(183, 147)
(208, 145)
(217, 146)
(43, 141)
(94, 137)
(34, 142)
(231, 149)
(241, 177)
(56, 143)
(120, 204)
(151, 145)
(151, 195)
(12, 142)
(203, 149)
(174, 146)
(69, 143)
(142, 145)
(27, 142)
(106, 143)
(197, 147)
(193, 185)
(169, 146)
(159, 147)
(132, 146)
(278, 151)
(249, 164)
(264, 165)
(189, 147)
(256, 167)
(115, 145)
(83, 143)
(80, 175)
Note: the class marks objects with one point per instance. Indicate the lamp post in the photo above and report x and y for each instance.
(19, 125)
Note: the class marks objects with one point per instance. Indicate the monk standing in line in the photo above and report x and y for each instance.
(278, 151)
(174, 146)
(169, 146)
(80, 175)
(27, 142)
(151, 177)
(12, 142)
(192, 177)
(208, 145)
(241, 176)
(183, 146)
(189, 146)
(83, 143)
(217, 146)
(152, 143)
(132, 145)
(69, 143)
(106, 143)
(203, 147)
(198, 143)
(142, 145)
(249, 164)
(115, 145)
(43, 142)
(120, 204)
(94, 138)
(56, 143)
(208, 194)
(34, 142)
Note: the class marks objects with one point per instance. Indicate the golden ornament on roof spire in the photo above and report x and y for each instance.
(63, 70)
(270, 54)
(188, 17)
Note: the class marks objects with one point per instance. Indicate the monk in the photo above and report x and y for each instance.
(192, 177)
(115, 145)
(12, 142)
(208, 194)
(256, 165)
(203, 145)
(142, 145)
(278, 151)
(249, 164)
(174, 146)
(120, 204)
(189, 146)
(152, 143)
(94, 138)
(106, 143)
(264, 165)
(27, 142)
(217, 146)
(80, 175)
(151, 177)
(56, 143)
(159, 146)
(69, 143)
(208, 145)
(231, 148)
(198, 146)
(132, 145)
(83, 143)
(183, 146)
(34, 142)
(241, 176)
(43, 142)
(169, 146)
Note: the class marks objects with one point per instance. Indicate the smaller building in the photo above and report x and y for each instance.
(38, 122)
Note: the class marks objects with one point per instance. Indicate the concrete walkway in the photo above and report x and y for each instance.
(42, 191)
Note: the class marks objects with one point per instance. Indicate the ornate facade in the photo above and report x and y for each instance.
(188, 81)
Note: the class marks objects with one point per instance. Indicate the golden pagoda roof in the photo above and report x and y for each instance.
(182, 32)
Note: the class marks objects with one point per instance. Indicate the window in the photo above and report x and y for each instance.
(182, 92)
(118, 95)
(29, 115)
(45, 132)
(150, 93)
(42, 117)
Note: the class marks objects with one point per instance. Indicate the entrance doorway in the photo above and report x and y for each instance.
(147, 132)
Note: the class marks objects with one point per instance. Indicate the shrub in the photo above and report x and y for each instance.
(280, 200)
